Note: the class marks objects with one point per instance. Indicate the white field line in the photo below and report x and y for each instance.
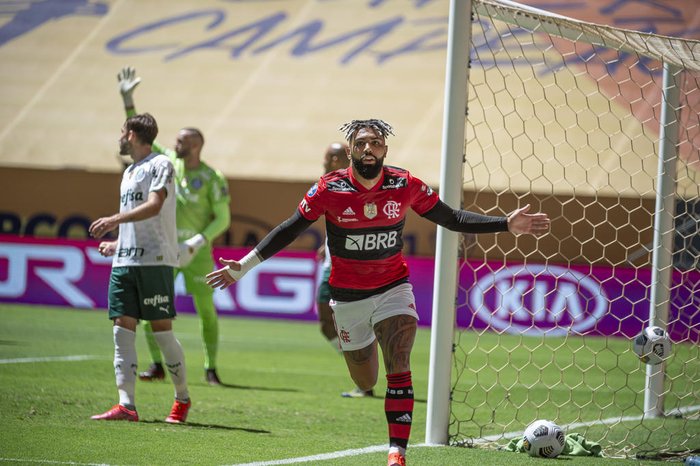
(576, 425)
(491, 438)
(77, 357)
(326, 456)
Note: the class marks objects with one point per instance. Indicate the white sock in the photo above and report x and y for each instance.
(397, 449)
(125, 361)
(174, 361)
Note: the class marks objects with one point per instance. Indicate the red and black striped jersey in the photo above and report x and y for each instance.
(364, 228)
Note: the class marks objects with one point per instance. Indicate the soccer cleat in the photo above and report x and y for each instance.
(117, 413)
(178, 413)
(357, 393)
(211, 377)
(396, 459)
(155, 372)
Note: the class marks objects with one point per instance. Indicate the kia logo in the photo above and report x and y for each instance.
(537, 299)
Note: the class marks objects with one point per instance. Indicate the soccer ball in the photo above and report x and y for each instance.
(652, 345)
(543, 438)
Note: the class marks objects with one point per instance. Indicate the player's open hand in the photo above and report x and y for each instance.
(519, 221)
(226, 276)
(127, 82)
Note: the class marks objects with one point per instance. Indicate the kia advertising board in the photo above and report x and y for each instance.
(525, 299)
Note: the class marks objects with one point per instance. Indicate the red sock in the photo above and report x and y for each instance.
(398, 406)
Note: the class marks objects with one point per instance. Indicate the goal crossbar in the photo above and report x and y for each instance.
(683, 53)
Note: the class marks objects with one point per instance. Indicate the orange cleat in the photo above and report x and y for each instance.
(178, 413)
(396, 459)
(117, 413)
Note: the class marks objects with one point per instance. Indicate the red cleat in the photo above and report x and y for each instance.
(178, 413)
(117, 413)
(396, 459)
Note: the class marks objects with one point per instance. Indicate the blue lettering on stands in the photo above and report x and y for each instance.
(257, 37)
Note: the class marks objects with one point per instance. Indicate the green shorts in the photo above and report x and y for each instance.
(323, 294)
(144, 293)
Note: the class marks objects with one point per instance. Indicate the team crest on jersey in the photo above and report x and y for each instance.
(196, 183)
(140, 175)
(313, 190)
(370, 210)
(392, 209)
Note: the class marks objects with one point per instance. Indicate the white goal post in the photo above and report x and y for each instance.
(529, 108)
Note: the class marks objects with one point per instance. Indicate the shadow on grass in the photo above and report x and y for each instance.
(11, 343)
(207, 426)
(248, 387)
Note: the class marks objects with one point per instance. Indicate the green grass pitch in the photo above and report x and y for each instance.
(282, 400)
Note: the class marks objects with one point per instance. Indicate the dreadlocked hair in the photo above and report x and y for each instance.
(380, 126)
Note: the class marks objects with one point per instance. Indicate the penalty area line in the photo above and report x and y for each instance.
(327, 456)
(77, 357)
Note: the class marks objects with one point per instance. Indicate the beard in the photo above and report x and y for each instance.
(124, 147)
(368, 172)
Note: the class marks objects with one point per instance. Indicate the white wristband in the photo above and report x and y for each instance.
(196, 242)
(248, 262)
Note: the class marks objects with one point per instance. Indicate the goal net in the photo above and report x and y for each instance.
(576, 120)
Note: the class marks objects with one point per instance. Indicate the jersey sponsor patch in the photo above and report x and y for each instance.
(394, 183)
(340, 186)
(371, 241)
(313, 190)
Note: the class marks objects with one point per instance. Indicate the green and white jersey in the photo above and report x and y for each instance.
(202, 197)
(152, 241)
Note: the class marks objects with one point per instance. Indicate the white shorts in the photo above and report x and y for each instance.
(355, 320)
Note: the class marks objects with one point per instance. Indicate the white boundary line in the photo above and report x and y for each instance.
(483, 440)
(77, 357)
(328, 456)
(575, 425)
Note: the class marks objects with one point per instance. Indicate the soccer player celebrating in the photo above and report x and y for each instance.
(335, 157)
(141, 284)
(203, 213)
(372, 299)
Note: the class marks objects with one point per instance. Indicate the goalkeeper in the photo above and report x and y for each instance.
(203, 213)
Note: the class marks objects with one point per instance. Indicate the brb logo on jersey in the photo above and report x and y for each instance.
(371, 241)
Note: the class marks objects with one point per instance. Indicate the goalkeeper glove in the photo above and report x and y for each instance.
(189, 248)
(127, 83)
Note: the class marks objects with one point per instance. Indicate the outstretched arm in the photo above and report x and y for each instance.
(127, 84)
(463, 221)
(279, 238)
